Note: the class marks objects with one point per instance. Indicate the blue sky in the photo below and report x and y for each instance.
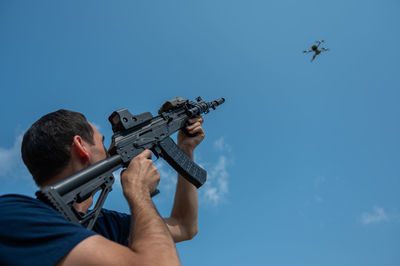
(303, 158)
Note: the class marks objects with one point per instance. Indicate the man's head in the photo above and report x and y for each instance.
(46, 146)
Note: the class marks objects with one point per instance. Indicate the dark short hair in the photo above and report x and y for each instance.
(46, 145)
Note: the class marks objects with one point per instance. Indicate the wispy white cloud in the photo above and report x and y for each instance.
(168, 176)
(221, 145)
(377, 215)
(10, 158)
(216, 186)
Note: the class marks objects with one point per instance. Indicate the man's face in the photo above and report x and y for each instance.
(97, 151)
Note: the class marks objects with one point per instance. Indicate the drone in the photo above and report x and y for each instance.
(315, 50)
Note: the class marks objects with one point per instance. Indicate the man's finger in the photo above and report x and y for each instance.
(191, 127)
(196, 119)
(195, 131)
(147, 154)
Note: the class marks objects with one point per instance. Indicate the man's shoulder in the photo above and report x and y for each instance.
(16, 202)
(16, 198)
(26, 210)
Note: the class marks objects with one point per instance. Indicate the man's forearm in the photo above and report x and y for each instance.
(185, 208)
(149, 234)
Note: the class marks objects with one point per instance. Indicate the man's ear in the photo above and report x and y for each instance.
(79, 147)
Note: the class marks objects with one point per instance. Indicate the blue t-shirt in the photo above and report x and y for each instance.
(33, 233)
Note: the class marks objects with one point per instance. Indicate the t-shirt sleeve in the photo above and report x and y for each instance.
(32, 233)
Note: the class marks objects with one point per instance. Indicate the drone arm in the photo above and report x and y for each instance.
(319, 42)
(313, 57)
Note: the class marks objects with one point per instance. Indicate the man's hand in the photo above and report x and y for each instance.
(187, 143)
(141, 177)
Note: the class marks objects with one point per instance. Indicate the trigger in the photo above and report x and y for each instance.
(157, 151)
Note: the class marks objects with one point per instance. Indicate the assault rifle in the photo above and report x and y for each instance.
(132, 135)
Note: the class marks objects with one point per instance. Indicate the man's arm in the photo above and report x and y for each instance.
(150, 240)
(183, 220)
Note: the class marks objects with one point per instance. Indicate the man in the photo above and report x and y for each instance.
(57, 146)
